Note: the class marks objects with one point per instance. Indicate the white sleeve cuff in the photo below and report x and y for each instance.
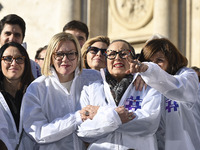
(78, 118)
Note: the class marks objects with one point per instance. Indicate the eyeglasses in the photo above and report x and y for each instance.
(111, 54)
(95, 50)
(70, 56)
(9, 59)
(40, 58)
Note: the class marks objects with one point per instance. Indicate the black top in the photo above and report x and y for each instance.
(118, 88)
(14, 104)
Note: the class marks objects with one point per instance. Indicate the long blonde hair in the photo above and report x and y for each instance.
(54, 45)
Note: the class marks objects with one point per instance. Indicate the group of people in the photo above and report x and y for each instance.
(95, 94)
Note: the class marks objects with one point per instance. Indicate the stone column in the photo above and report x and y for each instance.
(161, 17)
(97, 17)
(70, 10)
(194, 49)
(166, 19)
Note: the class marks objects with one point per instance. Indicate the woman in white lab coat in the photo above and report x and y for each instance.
(166, 71)
(125, 118)
(15, 76)
(50, 109)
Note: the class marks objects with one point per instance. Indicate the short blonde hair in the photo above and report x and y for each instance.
(53, 45)
(88, 43)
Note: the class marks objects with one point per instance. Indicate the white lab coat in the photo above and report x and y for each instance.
(180, 116)
(50, 113)
(8, 131)
(106, 131)
(9, 134)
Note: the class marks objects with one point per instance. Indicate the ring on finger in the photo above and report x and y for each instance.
(139, 64)
(87, 113)
(130, 117)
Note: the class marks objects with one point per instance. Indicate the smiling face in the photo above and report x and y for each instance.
(160, 59)
(97, 61)
(12, 71)
(118, 66)
(65, 68)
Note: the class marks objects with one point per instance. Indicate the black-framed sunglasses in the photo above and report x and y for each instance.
(95, 50)
(40, 58)
(70, 55)
(9, 59)
(111, 54)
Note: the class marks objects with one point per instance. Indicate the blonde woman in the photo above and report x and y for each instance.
(50, 109)
(93, 52)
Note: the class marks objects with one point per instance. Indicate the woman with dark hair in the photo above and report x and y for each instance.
(15, 76)
(175, 59)
(166, 71)
(126, 118)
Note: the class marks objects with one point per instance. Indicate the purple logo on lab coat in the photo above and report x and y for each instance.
(133, 103)
(171, 105)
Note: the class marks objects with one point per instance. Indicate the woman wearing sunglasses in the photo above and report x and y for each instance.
(126, 118)
(51, 108)
(15, 76)
(93, 52)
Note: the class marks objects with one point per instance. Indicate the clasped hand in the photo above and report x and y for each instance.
(124, 114)
(88, 112)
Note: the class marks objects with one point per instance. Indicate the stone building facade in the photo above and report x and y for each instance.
(133, 20)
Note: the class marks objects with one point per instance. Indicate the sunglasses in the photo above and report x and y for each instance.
(95, 50)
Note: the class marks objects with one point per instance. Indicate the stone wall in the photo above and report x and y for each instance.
(43, 18)
(134, 21)
(131, 20)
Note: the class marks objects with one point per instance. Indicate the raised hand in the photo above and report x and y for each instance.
(135, 66)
